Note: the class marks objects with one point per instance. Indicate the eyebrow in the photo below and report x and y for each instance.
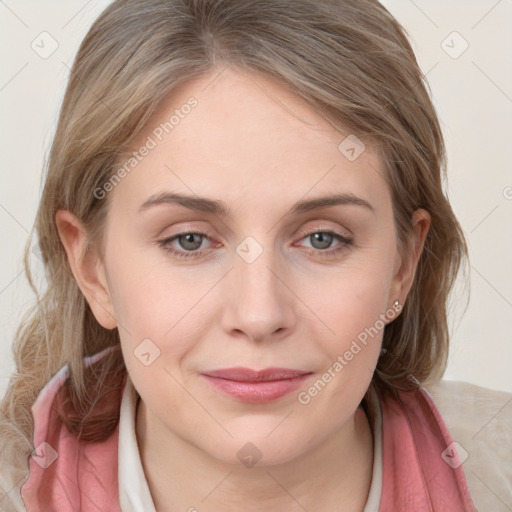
(219, 208)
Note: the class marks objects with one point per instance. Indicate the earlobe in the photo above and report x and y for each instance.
(404, 277)
(86, 266)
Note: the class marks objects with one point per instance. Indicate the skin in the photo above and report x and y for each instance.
(253, 144)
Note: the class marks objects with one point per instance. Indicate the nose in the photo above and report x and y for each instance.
(261, 307)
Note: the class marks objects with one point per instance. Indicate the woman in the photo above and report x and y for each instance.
(248, 255)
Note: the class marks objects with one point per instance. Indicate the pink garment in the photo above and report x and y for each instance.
(83, 476)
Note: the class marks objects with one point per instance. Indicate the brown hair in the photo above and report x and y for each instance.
(348, 59)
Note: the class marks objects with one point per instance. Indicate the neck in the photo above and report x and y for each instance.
(334, 475)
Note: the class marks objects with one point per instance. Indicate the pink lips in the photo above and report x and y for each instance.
(256, 385)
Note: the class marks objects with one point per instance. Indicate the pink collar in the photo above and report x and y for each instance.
(416, 477)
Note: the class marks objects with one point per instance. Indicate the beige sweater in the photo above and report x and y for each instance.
(480, 421)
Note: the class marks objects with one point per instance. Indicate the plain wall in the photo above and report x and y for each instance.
(472, 92)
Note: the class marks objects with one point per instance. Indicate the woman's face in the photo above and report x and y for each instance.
(291, 262)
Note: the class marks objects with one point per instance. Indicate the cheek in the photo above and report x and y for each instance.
(161, 317)
(355, 310)
(353, 297)
(353, 304)
(148, 298)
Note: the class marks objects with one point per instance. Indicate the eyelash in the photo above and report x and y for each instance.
(328, 253)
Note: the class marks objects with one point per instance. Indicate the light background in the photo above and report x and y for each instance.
(473, 96)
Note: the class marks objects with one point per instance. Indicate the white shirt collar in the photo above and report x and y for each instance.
(373, 501)
(134, 494)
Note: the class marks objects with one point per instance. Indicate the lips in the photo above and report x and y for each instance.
(249, 375)
(256, 386)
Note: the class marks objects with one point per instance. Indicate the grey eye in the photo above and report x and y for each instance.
(322, 240)
(187, 241)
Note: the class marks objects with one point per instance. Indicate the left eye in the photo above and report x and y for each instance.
(190, 241)
(321, 242)
(323, 239)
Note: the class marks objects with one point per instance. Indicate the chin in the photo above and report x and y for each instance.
(257, 449)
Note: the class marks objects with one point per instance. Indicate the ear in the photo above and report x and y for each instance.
(406, 266)
(87, 267)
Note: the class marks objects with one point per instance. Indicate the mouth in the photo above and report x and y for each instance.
(256, 386)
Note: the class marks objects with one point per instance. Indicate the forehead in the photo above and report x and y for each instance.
(249, 139)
